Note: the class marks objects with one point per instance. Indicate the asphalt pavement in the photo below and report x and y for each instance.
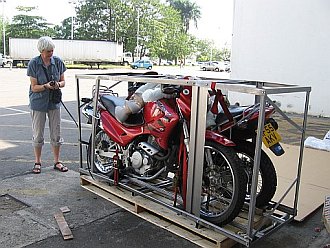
(28, 202)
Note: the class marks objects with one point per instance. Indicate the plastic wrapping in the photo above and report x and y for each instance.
(321, 144)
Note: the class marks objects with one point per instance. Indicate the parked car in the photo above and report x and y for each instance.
(197, 63)
(227, 66)
(146, 64)
(213, 66)
(166, 63)
(5, 60)
(154, 62)
(194, 63)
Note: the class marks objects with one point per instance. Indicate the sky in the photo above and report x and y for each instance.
(215, 24)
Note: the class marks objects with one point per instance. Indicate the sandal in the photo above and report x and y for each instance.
(36, 168)
(61, 167)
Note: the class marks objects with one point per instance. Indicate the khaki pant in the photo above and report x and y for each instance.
(38, 127)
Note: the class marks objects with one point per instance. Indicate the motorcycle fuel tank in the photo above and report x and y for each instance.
(160, 120)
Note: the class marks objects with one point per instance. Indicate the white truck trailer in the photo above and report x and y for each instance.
(88, 52)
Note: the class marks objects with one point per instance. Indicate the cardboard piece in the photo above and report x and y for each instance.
(314, 181)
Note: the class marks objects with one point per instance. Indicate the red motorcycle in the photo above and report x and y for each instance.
(239, 124)
(151, 149)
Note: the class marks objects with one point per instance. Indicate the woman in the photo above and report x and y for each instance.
(46, 74)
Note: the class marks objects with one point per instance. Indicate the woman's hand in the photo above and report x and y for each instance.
(52, 85)
(57, 85)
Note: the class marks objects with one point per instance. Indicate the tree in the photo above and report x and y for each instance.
(189, 11)
(163, 33)
(146, 27)
(204, 50)
(63, 31)
(222, 54)
(29, 26)
(96, 19)
(143, 25)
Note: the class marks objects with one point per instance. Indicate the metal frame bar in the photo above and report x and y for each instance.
(79, 123)
(196, 158)
(256, 165)
(261, 90)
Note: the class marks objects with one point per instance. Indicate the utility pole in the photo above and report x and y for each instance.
(3, 27)
(72, 27)
(137, 32)
(72, 3)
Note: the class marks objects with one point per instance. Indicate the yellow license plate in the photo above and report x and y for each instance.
(270, 136)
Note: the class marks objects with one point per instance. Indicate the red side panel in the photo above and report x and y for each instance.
(118, 132)
(218, 138)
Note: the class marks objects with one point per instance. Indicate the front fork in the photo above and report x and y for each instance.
(185, 129)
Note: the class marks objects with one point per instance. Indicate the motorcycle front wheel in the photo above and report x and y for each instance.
(267, 179)
(223, 184)
(103, 144)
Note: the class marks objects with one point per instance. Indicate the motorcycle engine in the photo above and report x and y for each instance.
(140, 162)
(141, 158)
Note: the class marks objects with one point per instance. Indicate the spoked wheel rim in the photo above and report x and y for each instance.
(248, 161)
(218, 183)
(103, 164)
(267, 178)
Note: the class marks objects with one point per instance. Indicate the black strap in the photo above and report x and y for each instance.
(69, 113)
(46, 73)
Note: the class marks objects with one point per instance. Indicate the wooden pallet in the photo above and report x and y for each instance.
(163, 216)
(326, 213)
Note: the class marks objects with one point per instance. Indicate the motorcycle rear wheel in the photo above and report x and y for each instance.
(223, 184)
(267, 178)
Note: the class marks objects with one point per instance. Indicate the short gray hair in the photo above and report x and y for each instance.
(45, 43)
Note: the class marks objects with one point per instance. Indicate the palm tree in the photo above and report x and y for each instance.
(189, 11)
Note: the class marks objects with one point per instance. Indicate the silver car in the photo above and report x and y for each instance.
(213, 66)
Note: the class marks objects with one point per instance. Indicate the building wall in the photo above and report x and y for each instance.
(288, 42)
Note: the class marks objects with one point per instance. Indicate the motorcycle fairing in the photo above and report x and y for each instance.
(218, 138)
(159, 118)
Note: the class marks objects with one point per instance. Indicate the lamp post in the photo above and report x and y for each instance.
(3, 27)
(73, 3)
(211, 54)
(137, 33)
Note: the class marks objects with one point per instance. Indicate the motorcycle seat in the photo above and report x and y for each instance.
(111, 102)
(236, 112)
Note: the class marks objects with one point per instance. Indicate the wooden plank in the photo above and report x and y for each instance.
(138, 209)
(154, 219)
(83, 181)
(65, 209)
(63, 225)
(163, 216)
